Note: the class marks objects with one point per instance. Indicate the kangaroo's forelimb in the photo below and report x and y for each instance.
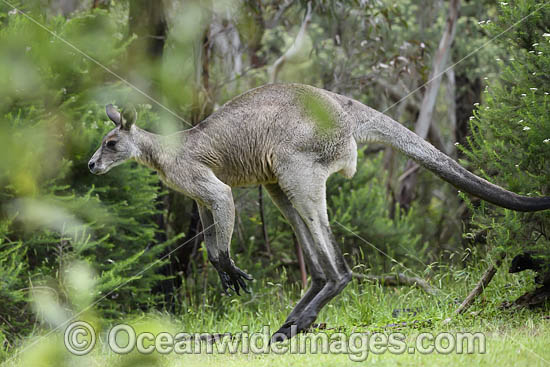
(217, 213)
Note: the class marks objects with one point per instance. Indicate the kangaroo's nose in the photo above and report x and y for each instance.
(91, 165)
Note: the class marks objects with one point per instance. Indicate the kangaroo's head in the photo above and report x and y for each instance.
(118, 145)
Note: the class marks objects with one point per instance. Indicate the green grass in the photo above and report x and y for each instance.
(513, 337)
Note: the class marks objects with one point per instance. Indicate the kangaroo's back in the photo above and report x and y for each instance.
(281, 123)
(246, 138)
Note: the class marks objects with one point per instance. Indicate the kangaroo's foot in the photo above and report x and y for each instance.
(292, 327)
(231, 276)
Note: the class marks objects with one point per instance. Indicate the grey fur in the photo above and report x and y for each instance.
(289, 138)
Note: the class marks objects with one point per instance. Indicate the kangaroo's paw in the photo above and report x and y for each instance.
(231, 276)
(292, 327)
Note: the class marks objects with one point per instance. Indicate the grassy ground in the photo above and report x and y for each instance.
(512, 337)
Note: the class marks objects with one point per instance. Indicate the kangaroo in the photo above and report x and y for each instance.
(289, 138)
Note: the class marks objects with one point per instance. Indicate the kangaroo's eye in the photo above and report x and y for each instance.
(111, 144)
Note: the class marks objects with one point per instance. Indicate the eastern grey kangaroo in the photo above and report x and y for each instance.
(289, 138)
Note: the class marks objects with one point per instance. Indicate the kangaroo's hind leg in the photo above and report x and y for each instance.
(305, 188)
(301, 230)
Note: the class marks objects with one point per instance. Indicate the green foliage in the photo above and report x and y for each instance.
(362, 220)
(510, 137)
(13, 300)
(53, 211)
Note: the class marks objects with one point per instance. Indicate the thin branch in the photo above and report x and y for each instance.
(415, 167)
(478, 289)
(301, 263)
(262, 218)
(277, 17)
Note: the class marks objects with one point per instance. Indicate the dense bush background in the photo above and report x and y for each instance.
(509, 133)
(127, 229)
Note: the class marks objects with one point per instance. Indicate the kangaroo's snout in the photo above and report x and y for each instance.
(93, 166)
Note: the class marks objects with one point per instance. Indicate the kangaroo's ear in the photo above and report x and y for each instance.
(113, 114)
(129, 116)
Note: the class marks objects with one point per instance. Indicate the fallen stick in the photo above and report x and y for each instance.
(478, 289)
(398, 279)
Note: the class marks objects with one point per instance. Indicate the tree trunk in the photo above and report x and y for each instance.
(468, 92)
(254, 40)
(147, 22)
(451, 110)
(301, 262)
(428, 103)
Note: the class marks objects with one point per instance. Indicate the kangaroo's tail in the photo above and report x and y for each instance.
(374, 126)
